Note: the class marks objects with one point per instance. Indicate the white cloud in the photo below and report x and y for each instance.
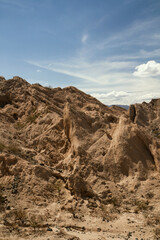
(84, 38)
(113, 97)
(38, 70)
(149, 69)
(125, 98)
(117, 94)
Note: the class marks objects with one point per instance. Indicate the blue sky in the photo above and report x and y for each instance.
(107, 48)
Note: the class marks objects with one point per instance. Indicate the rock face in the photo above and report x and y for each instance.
(64, 145)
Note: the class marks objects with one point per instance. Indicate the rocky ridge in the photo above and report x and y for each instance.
(68, 164)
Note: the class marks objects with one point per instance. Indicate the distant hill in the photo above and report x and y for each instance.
(122, 106)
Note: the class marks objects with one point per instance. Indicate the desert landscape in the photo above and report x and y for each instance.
(72, 168)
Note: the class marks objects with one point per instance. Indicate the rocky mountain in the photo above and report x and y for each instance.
(73, 168)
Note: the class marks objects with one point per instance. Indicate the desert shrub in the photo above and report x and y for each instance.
(157, 233)
(58, 186)
(50, 187)
(2, 201)
(32, 118)
(36, 222)
(19, 125)
(115, 201)
(156, 132)
(2, 198)
(20, 215)
(15, 217)
(149, 195)
(2, 146)
(106, 214)
(111, 118)
(13, 149)
(141, 206)
(1, 188)
(53, 189)
(33, 223)
(153, 219)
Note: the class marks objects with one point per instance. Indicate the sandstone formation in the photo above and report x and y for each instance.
(71, 166)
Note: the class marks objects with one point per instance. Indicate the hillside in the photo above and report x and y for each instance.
(73, 168)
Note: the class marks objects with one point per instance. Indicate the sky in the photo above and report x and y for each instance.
(109, 49)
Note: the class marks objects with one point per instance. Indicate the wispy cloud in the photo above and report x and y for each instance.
(113, 71)
(38, 70)
(101, 72)
(106, 76)
(84, 38)
(138, 33)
